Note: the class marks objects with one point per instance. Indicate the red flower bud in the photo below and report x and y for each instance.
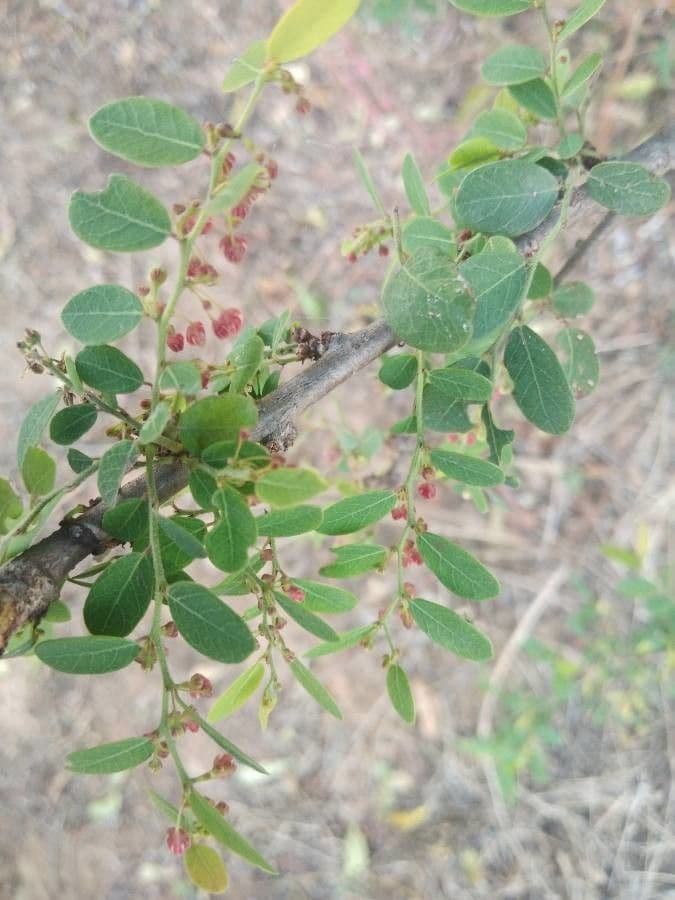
(224, 765)
(228, 323)
(169, 630)
(175, 340)
(194, 269)
(177, 840)
(411, 555)
(399, 512)
(295, 593)
(383, 250)
(195, 334)
(200, 686)
(427, 490)
(233, 247)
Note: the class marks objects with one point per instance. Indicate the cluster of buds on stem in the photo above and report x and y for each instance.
(365, 237)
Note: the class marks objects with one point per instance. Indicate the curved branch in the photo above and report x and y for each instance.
(33, 579)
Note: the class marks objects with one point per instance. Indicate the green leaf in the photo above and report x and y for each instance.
(120, 596)
(513, 64)
(227, 543)
(128, 520)
(10, 504)
(354, 513)
(536, 97)
(163, 805)
(354, 559)
(101, 314)
(202, 487)
(451, 631)
(243, 687)
(224, 833)
(206, 869)
(627, 188)
(579, 17)
(314, 688)
(472, 152)
(78, 461)
(147, 132)
(398, 688)
(456, 569)
(509, 197)
(540, 387)
(123, 217)
(35, 423)
(58, 612)
(426, 304)
(501, 127)
(446, 396)
(492, 7)
(189, 545)
(245, 68)
(367, 180)
(581, 74)
(497, 278)
(288, 487)
(413, 182)
(214, 419)
(580, 364)
(183, 377)
(222, 453)
(304, 618)
(154, 425)
(107, 369)
(497, 438)
(87, 655)
(570, 145)
(246, 358)
(289, 522)
(38, 472)
(235, 189)
(108, 758)
(307, 25)
(467, 469)
(423, 232)
(208, 624)
(575, 298)
(113, 466)
(324, 598)
(231, 748)
(398, 372)
(346, 639)
(69, 424)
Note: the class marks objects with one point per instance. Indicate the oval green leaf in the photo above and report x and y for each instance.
(415, 190)
(208, 624)
(38, 472)
(289, 522)
(245, 68)
(580, 363)
(128, 520)
(109, 370)
(154, 425)
(87, 655)
(423, 232)
(581, 74)
(307, 25)
(120, 596)
(69, 424)
(492, 8)
(113, 467)
(215, 419)
(398, 688)
(457, 570)
(324, 598)
(354, 559)
(398, 372)
(245, 359)
(224, 833)
(575, 298)
(582, 14)
(228, 541)
(446, 396)
(102, 314)
(108, 758)
(451, 631)
(305, 619)
(347, 639)
(314, 688)
(184, 377)
(289, 487)
(513, 65)
(354, 513)
(467, 469)
(627, 188)
(205, 869)
(497, 278)
(501, 127)
(243, 687)
(35, 423)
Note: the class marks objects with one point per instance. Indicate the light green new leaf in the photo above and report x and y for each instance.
(38, 472)
(536, 97)
(147, 132)
(208, 624)
(109, 370)
(123, 217)
(354, 559)
(581, 75)
(467, 469)
(540, 387)
(513, 65)
(113, 466)
(108, 758)
(307, 25)
(243, 687)
(154, 425)
(224, 833)
(457, 570)
(10, 504)
(580, 363)
(627, 188)
(398, 688)
(245, 68)
(184, 377)
(471, 153)
(205, 869)
(415, 190)
(451, 631)
(246, 358)
(87, 655)
(288, 487)
(423, 232)
(354, 513)
(492, 8)
(501, 127)
(314, 688)
(582, 14)
(35, 423)
(235, 189)
(102, 314)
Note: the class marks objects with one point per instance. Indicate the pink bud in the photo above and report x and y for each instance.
(295, 593)
(224, 765)
(234, 248)
(228, 323)
(175, 340)
(195, 334)
(200, 686)
(399, 512)
(427, 490)
(177, 840)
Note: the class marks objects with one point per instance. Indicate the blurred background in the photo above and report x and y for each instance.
(545, 774)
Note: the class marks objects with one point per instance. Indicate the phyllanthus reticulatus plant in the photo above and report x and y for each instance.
(466, 278)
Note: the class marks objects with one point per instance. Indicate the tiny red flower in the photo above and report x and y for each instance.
(409, 588)
(233, 247)
(208, 226)
(228, 323)
(175, 340)
(427, 490)
(209, 272)
(200, 686)
(399, 512)
(194, 269)
(383, 250)
(191, 725)
(411, 555)
(195, 334)
(295, 593)
(224, 765)
(177, 840)
(240, 211)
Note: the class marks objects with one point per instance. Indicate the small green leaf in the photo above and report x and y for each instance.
(227, 543)
(245, 68)
(128, 520)
(305, 619)
(575, 298)
(582, 14)
(181, 376)
(288, 487)
(78, 461)
(214, 419)
(509, 197)
(224, 833)
(124, 217)
(234, 190)
(206, 869)
(202, 487)
(107, 369)
(492, 8)
(581, 75)
(473, 152)
(398, 688)
(289, 522)
(536, 97)
(231, 748)
(398, 372)
(35, 423)
(501, 127)
(415, 190)
(580, 364)
(147, 132)
(324, 598)
(113, 467)
(208, 624)
(163, 805)
(245, 359)
(540, 387)
(38, 472)
(154, 425)
(10, 504)
(467, 469)
(457, 570)
(58, 612)
(108, 758)
(423, 232)
(447, 394)
(346, 639)
(69, 424)
(243, 687)
(497, 278)
(497, 438)
(354, 513)
(120, 596)
(307, 25)
(314, 688)
(87, 655)
(627, 188)
(451, 631)
(176, 530)
(426, 304)
(541, 283)
(513, 65)
(102, 314)
(354, 559)
(570, 145)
